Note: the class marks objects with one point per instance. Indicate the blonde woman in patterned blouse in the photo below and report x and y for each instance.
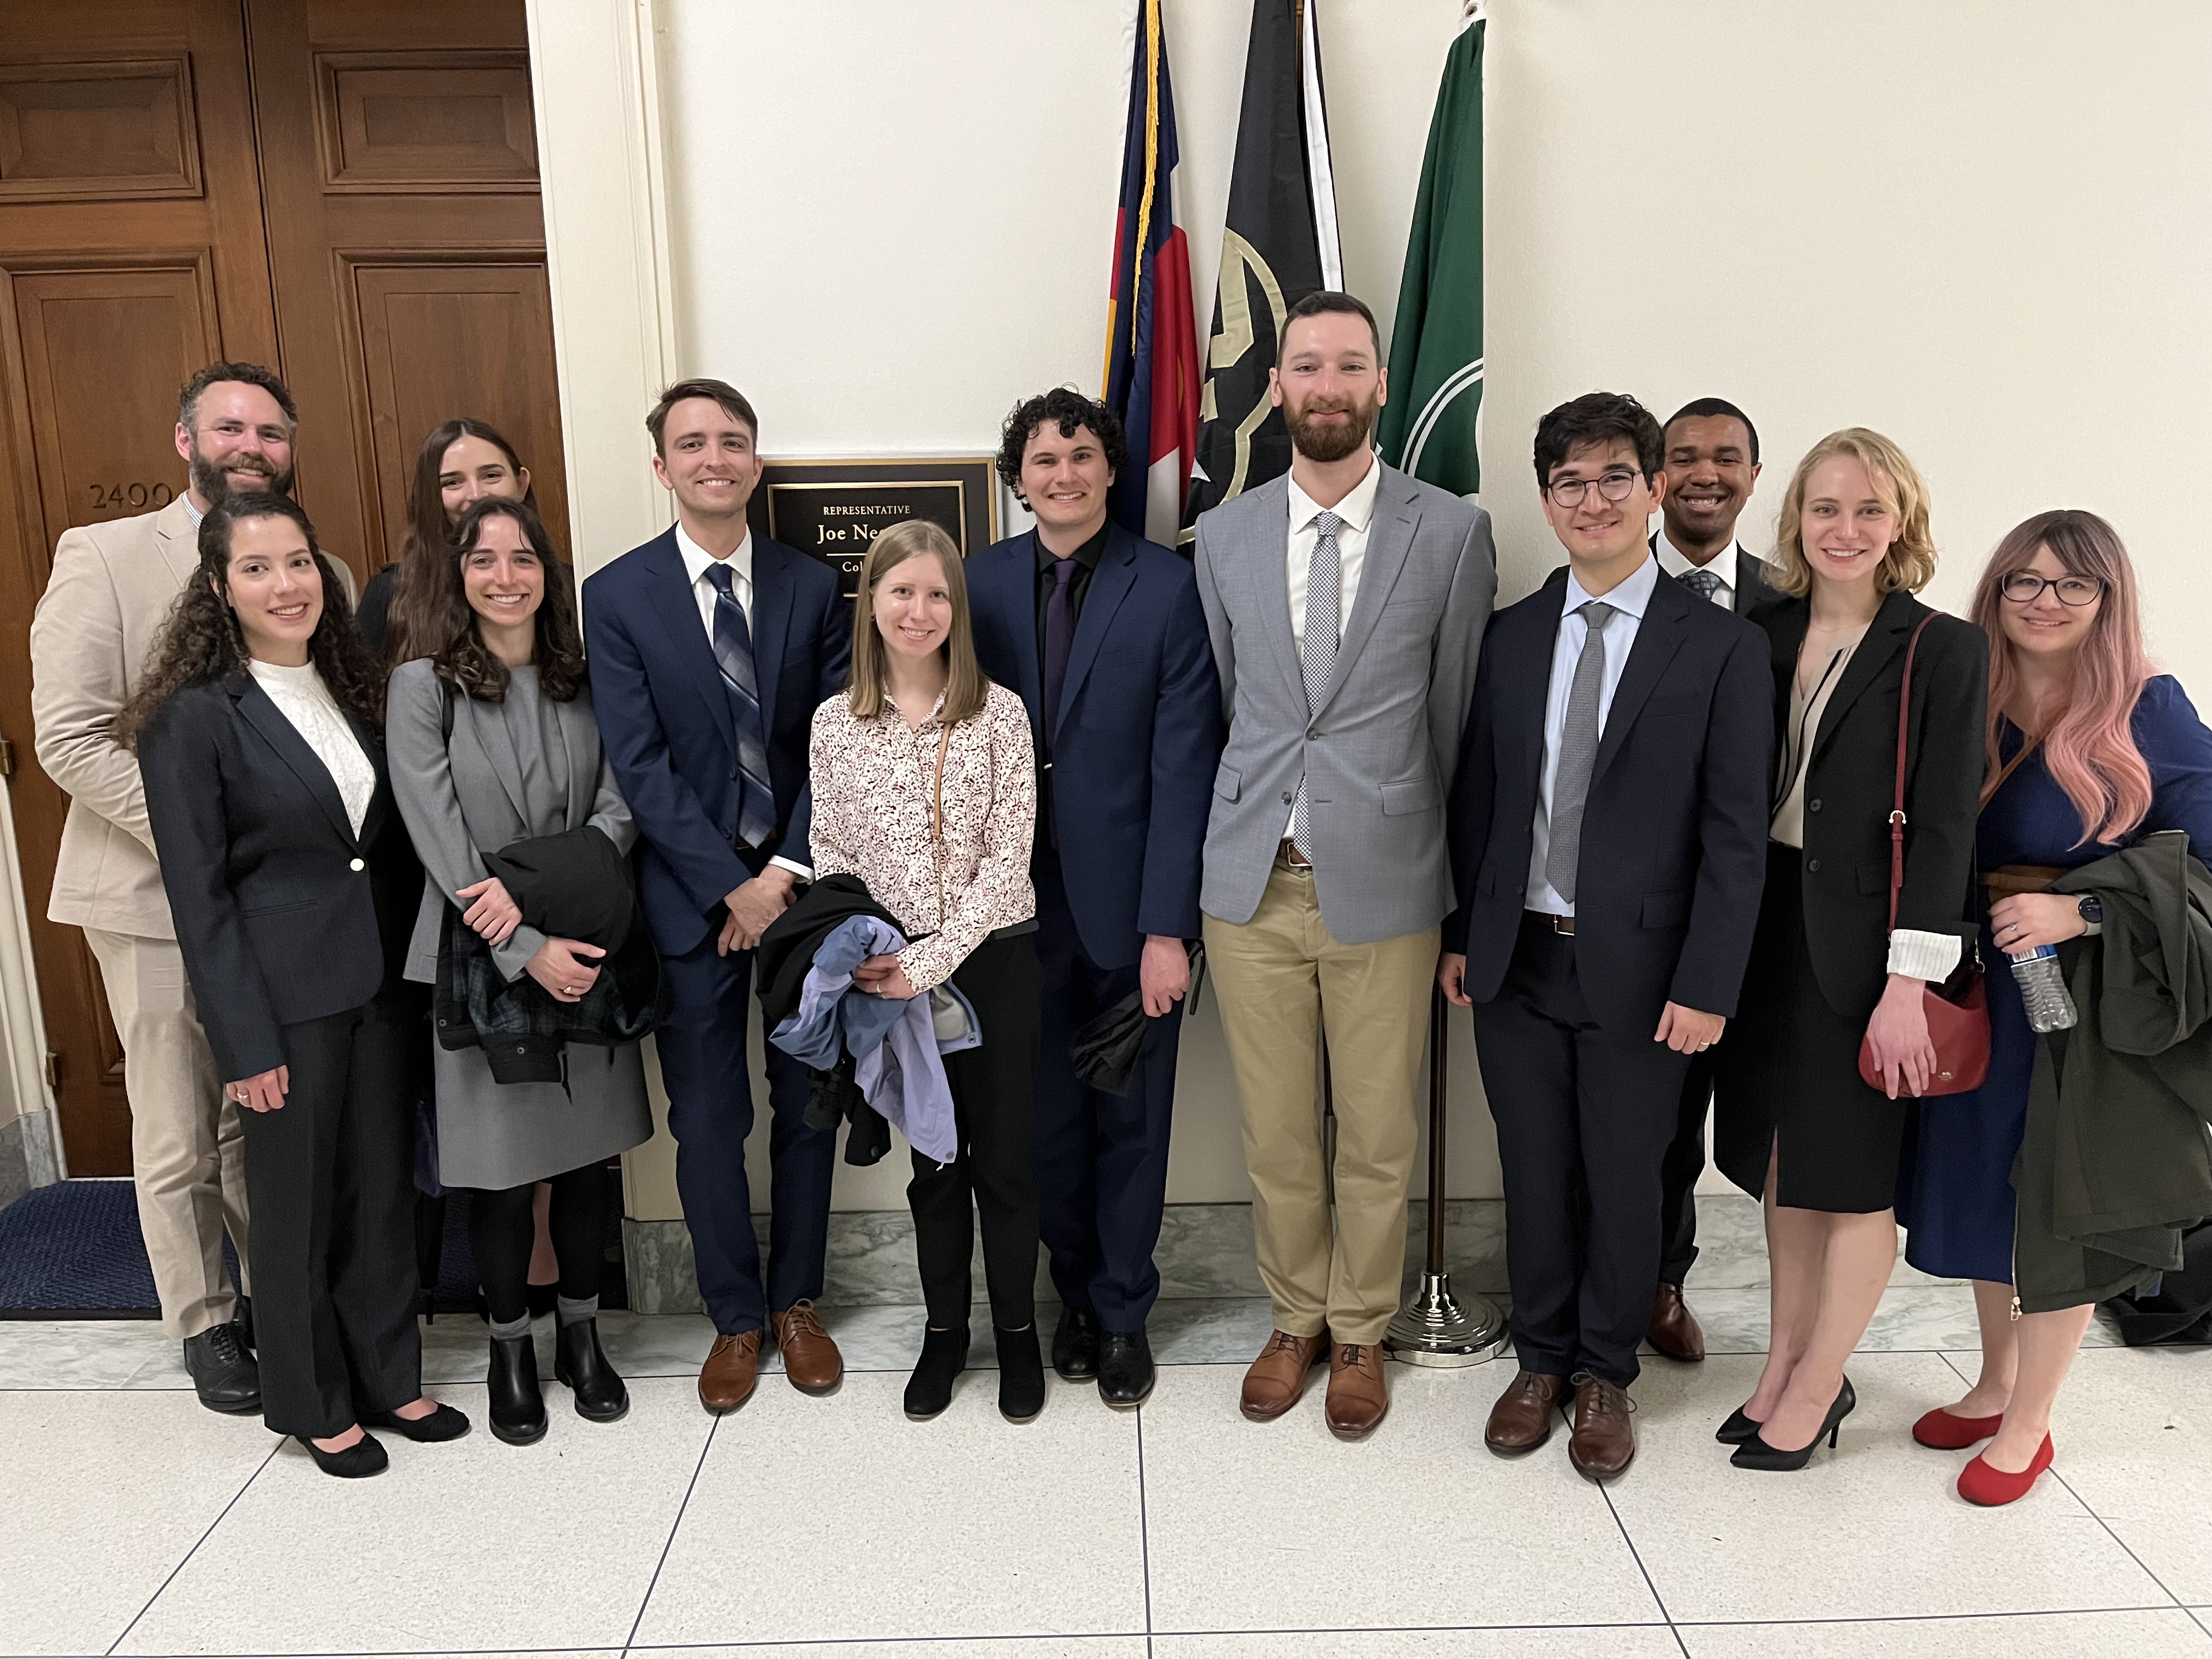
(924, 775)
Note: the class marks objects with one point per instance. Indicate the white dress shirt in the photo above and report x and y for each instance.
(1355, 513)
(1628, 600)
(1722, 564)
(302, 698)
(697, 561)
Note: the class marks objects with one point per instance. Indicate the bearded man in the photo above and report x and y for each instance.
(1345, 605)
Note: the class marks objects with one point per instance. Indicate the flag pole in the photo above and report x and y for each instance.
(1435, 1327)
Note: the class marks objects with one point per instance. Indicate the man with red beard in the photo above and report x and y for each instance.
(1346, 604)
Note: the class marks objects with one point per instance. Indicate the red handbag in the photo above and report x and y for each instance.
(1958, 1010)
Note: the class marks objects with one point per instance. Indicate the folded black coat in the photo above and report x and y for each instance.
(782, 961)
(1108, 1046)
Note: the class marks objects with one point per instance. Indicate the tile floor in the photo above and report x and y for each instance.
(132, 1522)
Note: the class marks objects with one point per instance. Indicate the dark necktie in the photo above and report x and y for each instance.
(733, 656)
(1059, 640)
(1701, 582)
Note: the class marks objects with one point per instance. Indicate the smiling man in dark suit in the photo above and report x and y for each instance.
(1100, 632)
(710, 651)
(1608, 832)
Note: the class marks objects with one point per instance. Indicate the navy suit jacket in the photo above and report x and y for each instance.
(1136, 736)
(1673, 848)
(666, 719)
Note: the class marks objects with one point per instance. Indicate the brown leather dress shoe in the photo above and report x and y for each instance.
(811, 1359)
(1522, 1419)
(1278, 1377)
(732, 1367)
(1675, 1330)
(1603, 1443)
(1358, 1397)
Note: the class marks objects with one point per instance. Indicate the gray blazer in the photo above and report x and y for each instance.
(1379, 753)
(456, 802)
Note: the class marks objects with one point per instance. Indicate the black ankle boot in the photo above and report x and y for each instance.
(580, 1365)
(944, 1357)
(518, 1408)
(1021, 1374)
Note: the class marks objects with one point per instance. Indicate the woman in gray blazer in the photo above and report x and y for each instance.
(492, 742)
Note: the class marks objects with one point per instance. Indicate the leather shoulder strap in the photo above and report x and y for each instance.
(1897, 806)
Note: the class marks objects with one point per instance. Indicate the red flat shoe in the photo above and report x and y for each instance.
(1944, 1431)
(1992, 1488)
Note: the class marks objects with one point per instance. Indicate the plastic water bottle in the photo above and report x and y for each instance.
(2043, 989)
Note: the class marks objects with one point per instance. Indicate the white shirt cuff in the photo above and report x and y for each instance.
(1931, 956)
(803, 871)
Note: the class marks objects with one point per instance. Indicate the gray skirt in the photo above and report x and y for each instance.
(493, 1134)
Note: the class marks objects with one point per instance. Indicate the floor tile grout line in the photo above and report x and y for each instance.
(208, 1533)
(1637, 1555)
(1143, 1531)
(669, 1543)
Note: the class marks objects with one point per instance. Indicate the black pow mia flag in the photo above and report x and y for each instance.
(1278, 246)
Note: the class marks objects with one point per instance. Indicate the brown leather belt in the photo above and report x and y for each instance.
(1288, 855)
(1557, 924)
(2008, 879)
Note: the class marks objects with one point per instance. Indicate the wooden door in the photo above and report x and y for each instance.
(130, 253)
(399, 164)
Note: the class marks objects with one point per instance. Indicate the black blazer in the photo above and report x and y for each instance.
(1673, 851)
(283, 912)
(1850, 786)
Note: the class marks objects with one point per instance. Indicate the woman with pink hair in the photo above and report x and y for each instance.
(2088, 752)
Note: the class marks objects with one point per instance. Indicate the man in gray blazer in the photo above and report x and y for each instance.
(1346, 603)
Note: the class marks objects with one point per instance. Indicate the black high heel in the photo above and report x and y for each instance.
(1756, 1454)
(364, 1457)
(1738, 1430)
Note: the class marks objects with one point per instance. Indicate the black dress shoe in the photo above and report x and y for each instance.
(1125, 1374)
(443, 1423)
(363, 1458)
(223, 1373)
(518, 1407)
(1075, 1345)
(580, 1366)
(944, 1357)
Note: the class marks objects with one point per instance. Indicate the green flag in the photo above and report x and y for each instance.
(1435, 349)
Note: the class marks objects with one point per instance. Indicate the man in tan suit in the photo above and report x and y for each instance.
(97, 625)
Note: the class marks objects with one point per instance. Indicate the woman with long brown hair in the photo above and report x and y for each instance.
(925, 787)
(271, 810)
(462, 461)
(2087, 752)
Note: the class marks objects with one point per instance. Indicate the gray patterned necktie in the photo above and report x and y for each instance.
(1578, 753)
(1317, 660)
(1701, 582)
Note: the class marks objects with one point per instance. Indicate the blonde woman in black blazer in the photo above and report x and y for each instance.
(1794, 1123)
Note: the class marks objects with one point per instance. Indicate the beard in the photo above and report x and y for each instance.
(1329, 443)
(214, 486)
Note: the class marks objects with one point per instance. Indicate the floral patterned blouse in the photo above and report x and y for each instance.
(873, 781)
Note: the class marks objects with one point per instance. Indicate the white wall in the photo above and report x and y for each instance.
(1981, 227)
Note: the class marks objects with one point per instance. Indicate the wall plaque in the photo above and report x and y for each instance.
(833, 508)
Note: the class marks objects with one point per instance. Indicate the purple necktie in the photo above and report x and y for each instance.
(1059, 640)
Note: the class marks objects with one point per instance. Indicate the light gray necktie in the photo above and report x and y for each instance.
(1318, 659)
(1577, 752)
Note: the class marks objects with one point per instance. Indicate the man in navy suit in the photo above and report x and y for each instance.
(710, 650)
(1101, 633)
(1609, 830)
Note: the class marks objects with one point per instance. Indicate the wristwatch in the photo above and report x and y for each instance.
(2093, 912)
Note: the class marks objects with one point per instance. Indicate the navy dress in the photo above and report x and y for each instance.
(1955, 1192)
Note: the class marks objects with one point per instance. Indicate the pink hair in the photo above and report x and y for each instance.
(2089, 750)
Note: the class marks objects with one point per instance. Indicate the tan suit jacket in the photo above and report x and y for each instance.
(106, 603)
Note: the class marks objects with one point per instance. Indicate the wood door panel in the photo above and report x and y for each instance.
(437, 340)
(458, 121)
(93, 130)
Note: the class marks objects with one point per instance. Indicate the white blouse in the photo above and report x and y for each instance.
(302, 698)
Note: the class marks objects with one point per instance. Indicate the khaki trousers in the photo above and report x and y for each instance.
(1281, 978)
(187, 1155)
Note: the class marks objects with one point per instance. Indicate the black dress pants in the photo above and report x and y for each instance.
(1678, 1174)
(333, 1238)
(994, 1174)
(1584, 1116)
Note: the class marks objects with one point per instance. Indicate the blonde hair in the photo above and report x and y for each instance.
(1908, 562)
(965, 688)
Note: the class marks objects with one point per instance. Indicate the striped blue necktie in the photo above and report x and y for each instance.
(733, 656)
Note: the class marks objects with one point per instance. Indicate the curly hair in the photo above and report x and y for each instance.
(448, 623)
(1909, 562)
(202, 642)
(429, 544)
(1068, 409)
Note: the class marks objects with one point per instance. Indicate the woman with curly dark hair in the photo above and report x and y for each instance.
(462, 461)
(494, 743)
(272, 815)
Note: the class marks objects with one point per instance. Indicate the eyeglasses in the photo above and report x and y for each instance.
(1616, 487)
(2026, 588)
